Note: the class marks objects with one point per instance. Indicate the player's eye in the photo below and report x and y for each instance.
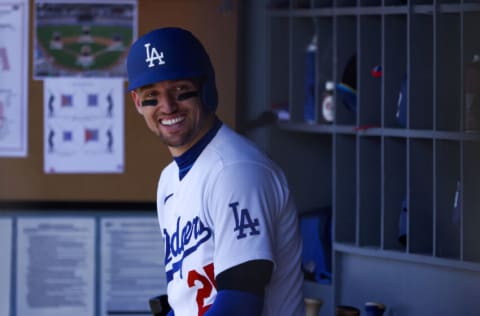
(184, 91)
(187, 95)
(150, 98)
(150, 102)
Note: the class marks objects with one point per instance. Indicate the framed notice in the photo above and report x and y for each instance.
(55, 266)
(5, 264)
(132, 269)
(13, 77)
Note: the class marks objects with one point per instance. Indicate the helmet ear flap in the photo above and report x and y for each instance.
(209, 94)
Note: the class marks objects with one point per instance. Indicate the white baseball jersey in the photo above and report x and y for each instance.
(233, 206)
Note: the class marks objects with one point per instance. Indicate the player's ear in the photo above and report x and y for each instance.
(136, 100)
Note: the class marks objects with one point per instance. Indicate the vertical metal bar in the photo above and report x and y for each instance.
(357, 137)
(434, 118)
(335, 275)
(382, 137)
(408, 140)
(268, 62)
(462, 128)
(291, 104)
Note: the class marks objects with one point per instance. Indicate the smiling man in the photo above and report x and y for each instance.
(227, 217)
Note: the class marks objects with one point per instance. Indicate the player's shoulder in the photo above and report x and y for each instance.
(168, 174)
(169, 169)
(228, 146)
(233, 156)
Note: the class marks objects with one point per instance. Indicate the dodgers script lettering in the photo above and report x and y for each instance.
(183, 242)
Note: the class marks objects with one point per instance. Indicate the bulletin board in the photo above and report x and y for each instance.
(214, 22)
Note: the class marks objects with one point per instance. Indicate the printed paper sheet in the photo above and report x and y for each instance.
(55, 266)
(83, 125)
(5, 264)
(13, 77)
(132, 265)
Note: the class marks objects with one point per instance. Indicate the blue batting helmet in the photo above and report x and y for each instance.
(171, 53)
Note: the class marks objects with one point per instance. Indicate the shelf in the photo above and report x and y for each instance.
(402, 256)
(376, 131)
(404, 148)
(428, 9)
(305, 127)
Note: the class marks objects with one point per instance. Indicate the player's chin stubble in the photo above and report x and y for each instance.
(175, 141)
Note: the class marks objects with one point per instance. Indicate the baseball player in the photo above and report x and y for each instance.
(229, 225)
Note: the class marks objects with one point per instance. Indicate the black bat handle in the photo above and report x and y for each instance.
(159, 305)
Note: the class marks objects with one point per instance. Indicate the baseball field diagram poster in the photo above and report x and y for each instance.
(83, 125)
(13, 77)
(88, 38)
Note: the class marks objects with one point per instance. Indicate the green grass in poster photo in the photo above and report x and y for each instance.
(107, 45)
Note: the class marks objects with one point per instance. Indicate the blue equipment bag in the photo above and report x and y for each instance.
(315, 228)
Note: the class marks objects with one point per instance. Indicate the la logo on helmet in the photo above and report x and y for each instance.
(153, 55)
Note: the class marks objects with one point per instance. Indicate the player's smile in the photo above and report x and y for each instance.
(173, 126)
(170, 122)
(173, 111)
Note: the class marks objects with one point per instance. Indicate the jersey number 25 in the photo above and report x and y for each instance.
(205, 289)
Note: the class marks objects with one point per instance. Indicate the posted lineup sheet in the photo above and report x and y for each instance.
(132, 265)
(55, 266)
(5, 264)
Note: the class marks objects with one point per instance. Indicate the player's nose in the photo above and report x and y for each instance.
(167, 103)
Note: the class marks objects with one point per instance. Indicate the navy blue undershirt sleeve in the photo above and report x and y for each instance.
(236, 303)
